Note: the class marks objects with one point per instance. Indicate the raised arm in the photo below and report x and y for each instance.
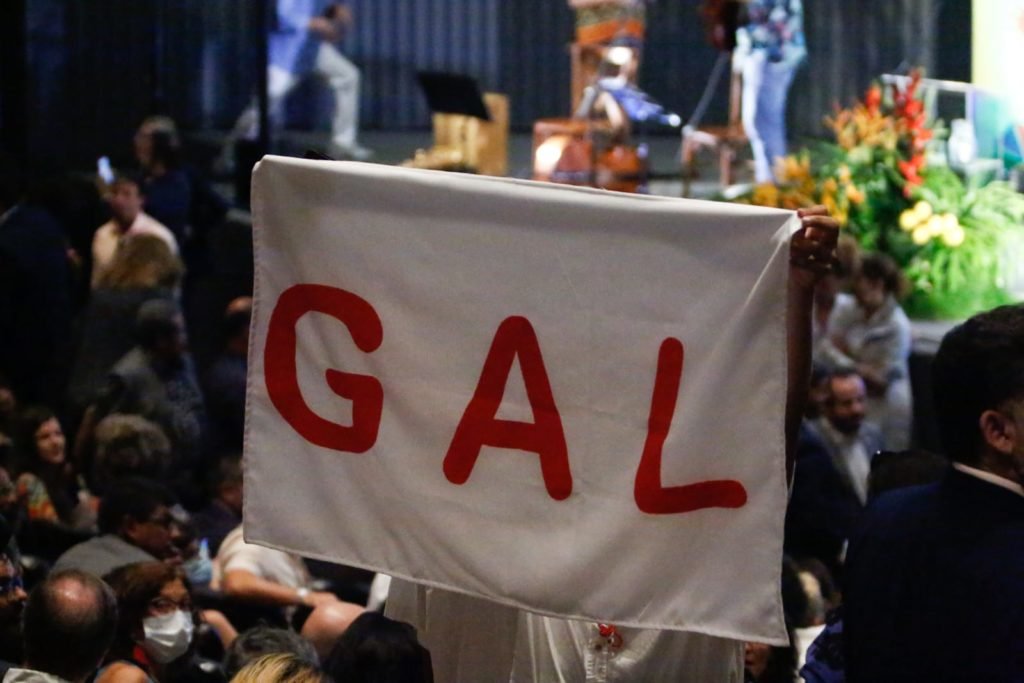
(811, 253)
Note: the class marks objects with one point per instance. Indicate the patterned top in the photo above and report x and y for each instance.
(777, 26)
(38, 504)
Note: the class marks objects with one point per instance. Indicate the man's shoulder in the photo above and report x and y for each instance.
(100, 555)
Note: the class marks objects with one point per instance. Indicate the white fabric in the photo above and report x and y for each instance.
(107, 238)
(266, 563)
(30, 676)
(445, 260)
(475, 640)
(995, 479)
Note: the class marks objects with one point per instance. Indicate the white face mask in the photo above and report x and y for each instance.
(167, 636)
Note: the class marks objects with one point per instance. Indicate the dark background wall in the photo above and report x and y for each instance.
(76, 76)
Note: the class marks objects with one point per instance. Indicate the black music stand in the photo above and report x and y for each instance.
(449, 93)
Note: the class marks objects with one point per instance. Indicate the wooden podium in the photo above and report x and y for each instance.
(466, 143)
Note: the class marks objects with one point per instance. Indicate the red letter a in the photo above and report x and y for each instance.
(283, 384)
(479, 427)
(651, 497)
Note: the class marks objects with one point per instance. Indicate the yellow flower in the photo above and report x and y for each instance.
(830, 186)
(953, 236)
(949, 222)
(854, 194)
(909, 220)
(921, 234)
(765, 194)
(935, 226)
(924, 210)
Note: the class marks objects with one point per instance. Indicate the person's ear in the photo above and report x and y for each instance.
(998, 430)
(129, 527)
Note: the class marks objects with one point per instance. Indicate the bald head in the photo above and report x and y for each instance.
(69, 624)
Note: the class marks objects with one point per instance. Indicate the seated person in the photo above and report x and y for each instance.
(224, 513)
(12, 600)
(264, 576)
(375, 648)
(136, 525)
(260, 641)
(69, 624)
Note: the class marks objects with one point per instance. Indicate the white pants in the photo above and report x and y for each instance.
(340, 74)
(765, 87)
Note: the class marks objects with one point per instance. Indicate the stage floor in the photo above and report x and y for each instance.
(393, 147)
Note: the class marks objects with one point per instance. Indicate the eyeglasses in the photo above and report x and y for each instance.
(162, 605)
(11, 584)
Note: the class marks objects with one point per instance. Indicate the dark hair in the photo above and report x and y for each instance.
(375, 649)
(978, 367)
(68, 638)
(236, 322)
(128, 179)
(28, 423)
(898, 469)
(133, 497)
(165, 149)
(880, 267)
(129, 445)
(136, 585)
(227, 471)
(265, 640)
(156, 320)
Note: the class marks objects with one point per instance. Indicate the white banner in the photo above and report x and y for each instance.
(565, 400)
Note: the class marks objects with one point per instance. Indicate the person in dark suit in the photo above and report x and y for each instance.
(830, 483)
(935, 574)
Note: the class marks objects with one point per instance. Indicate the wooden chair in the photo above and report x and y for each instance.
(727, 139)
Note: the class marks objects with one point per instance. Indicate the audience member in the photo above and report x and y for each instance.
(224, 513)
(831, 292)
(933, 587)
(157, 380)
(279, 668)
(8, 409)
(155, 626)
(265, 640)
(129, 446)
(873, 338)
(892, 470)
(126, 201)
(143, 268)
(69, 625)
(265, 576)
(12, 599)
(48, 485)
(36, 304)
(136, 525)
(166, 186)
(226, 378)
(376, 649)
(830, 484)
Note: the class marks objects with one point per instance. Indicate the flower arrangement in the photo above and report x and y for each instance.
(876, 179)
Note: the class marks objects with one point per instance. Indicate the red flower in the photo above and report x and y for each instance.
(873, 98)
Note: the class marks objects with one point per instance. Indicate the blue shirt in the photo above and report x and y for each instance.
(291, 46)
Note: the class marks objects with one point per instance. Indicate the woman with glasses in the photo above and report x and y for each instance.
(156, 622)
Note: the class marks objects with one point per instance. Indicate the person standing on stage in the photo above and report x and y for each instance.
(303, 41)
(770, 48)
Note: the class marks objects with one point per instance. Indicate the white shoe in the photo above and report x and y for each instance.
(356, 152)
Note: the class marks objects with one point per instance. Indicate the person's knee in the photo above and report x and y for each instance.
(327, 622)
